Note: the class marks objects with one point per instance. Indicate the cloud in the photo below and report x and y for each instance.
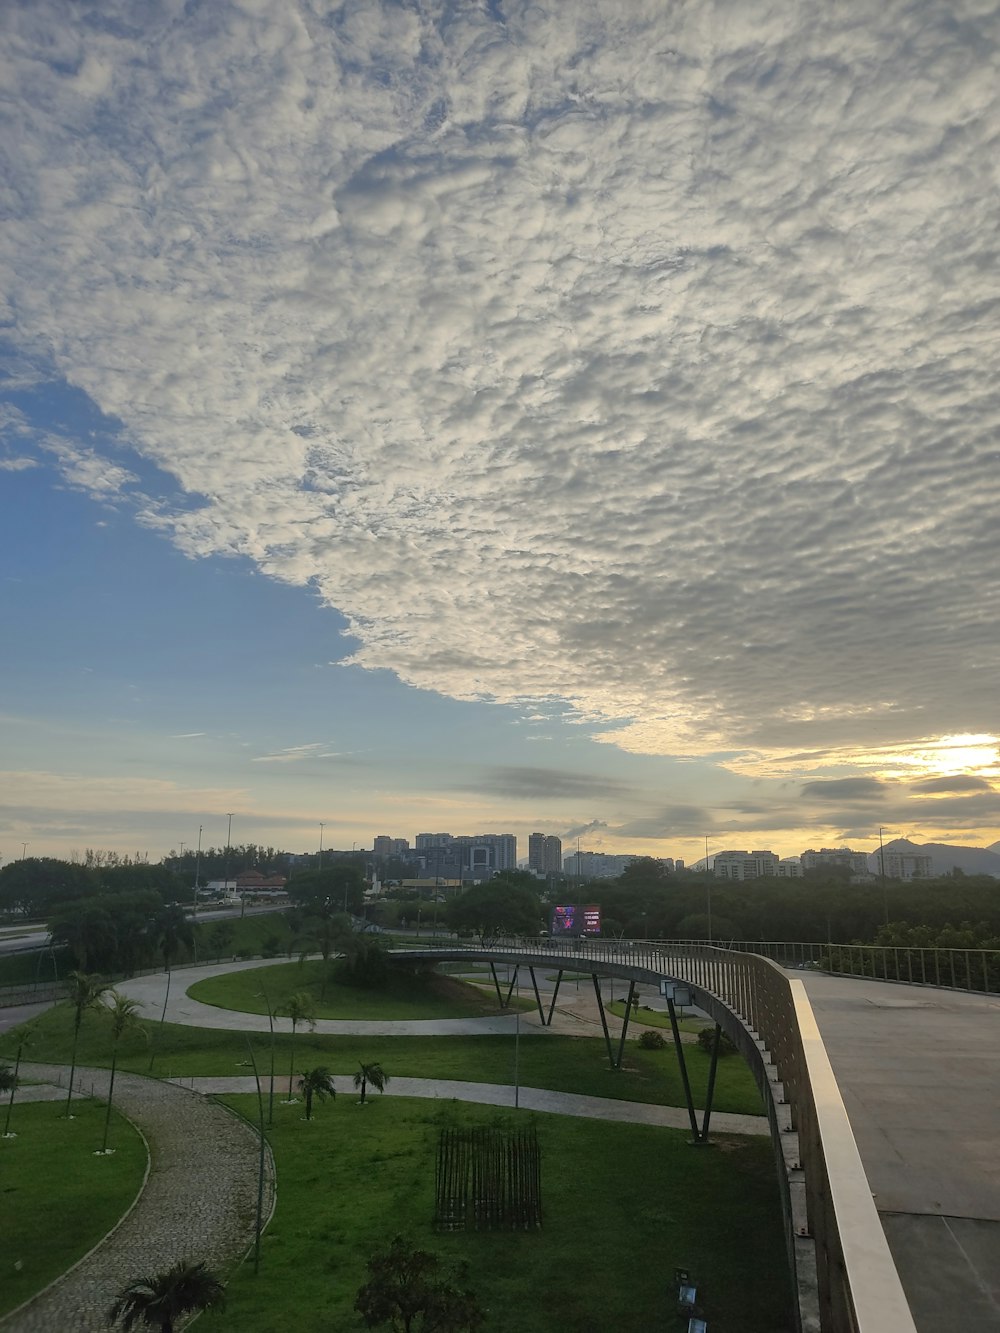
(523, 782)
(297, 754)
(581, 830)
(606, 355)
(846, 789)
(955, 782)
(17, 464)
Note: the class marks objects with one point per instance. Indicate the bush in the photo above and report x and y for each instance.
(706, 1041)
(651, 1040)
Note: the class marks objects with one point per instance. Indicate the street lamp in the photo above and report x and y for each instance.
(197, 872)
(881, 863)
(229, 839)
(708, 890)
(321, 828)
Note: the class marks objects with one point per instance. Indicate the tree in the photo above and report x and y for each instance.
(124, 1015)
(170, 931)
(85, 992)
(407, 1291)
(160, 1300)
(330, 930)
(299, 1008)
(373, 1074)
(9, 1082)
(220, 937)
(497, 907)
(316, 1082)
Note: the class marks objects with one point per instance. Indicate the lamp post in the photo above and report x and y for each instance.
(321, 827)
(881, 864)
(229, 840)
(24, 848)
(197, 872)
(708, 890)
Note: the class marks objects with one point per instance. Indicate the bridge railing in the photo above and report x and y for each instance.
(858, 1287)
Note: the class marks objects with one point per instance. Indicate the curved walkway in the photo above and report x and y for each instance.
(199, 1201)
(575, 1013)
(502, 1094)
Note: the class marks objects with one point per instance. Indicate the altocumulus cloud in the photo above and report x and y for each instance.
(645, 351)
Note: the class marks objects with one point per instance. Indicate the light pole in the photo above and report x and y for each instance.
(881, 864)
(321, 828)
(229, 839)
(197, 872)
(708, 890)
(24, 848)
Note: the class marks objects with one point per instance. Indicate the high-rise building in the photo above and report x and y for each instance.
(856, 862)
(545, 854)
(471, 858)
(745, 865)
(906, 865)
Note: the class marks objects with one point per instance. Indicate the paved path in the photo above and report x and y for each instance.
(502, 1094)
(199, 1201)
(576, 1012)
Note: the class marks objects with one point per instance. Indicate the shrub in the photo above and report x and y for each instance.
(650, 1040)
(706, 1041)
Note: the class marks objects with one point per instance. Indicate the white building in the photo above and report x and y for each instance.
(905, 865)
(745, 865)
(856, 862)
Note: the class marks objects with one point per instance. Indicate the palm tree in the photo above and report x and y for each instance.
(124, 1018)
(8, 1083)
(159, 1300)
(170, 930)
(316, 1082)
(85, 991)
(299, 1008)
(373, 1074)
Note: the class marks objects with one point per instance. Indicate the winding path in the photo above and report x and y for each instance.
(199, 1201)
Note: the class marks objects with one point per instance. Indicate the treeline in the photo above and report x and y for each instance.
(113, 915)
(647, 902)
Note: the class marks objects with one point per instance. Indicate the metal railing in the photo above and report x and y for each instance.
(854, 1286)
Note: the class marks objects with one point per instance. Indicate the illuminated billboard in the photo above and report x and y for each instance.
(570, 919)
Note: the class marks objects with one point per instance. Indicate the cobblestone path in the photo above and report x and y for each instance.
(199, 1202)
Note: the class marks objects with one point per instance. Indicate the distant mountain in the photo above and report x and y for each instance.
(945, 857)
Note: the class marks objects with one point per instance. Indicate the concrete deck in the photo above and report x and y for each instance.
(919, 1072)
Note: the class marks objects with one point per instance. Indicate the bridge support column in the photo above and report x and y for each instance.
(496, 983)
(555, 992)
(699, 1136)
(628, 1010)
(538, 998)
(604, 1018)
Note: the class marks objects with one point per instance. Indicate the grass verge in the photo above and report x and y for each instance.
(623, 1205)
(58, 1199)
(403, 996)
(547, 1060)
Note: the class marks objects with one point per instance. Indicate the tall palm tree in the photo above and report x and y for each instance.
(85, 991)
(159, 1300)
(299, 1008)
(316, 1082)
(373, 1074)
(8, 1083)
(170, 930)
(124, 1018)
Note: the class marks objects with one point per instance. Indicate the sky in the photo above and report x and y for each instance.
(486, 416)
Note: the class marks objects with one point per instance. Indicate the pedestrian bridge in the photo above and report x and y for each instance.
(918, 1069)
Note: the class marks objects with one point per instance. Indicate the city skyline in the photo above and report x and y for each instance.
(578, 422)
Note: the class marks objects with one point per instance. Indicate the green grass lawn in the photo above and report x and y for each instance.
(404, 995)
(56, 1198)
(649, 1018)
(547, 1060)
(623, 1205)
